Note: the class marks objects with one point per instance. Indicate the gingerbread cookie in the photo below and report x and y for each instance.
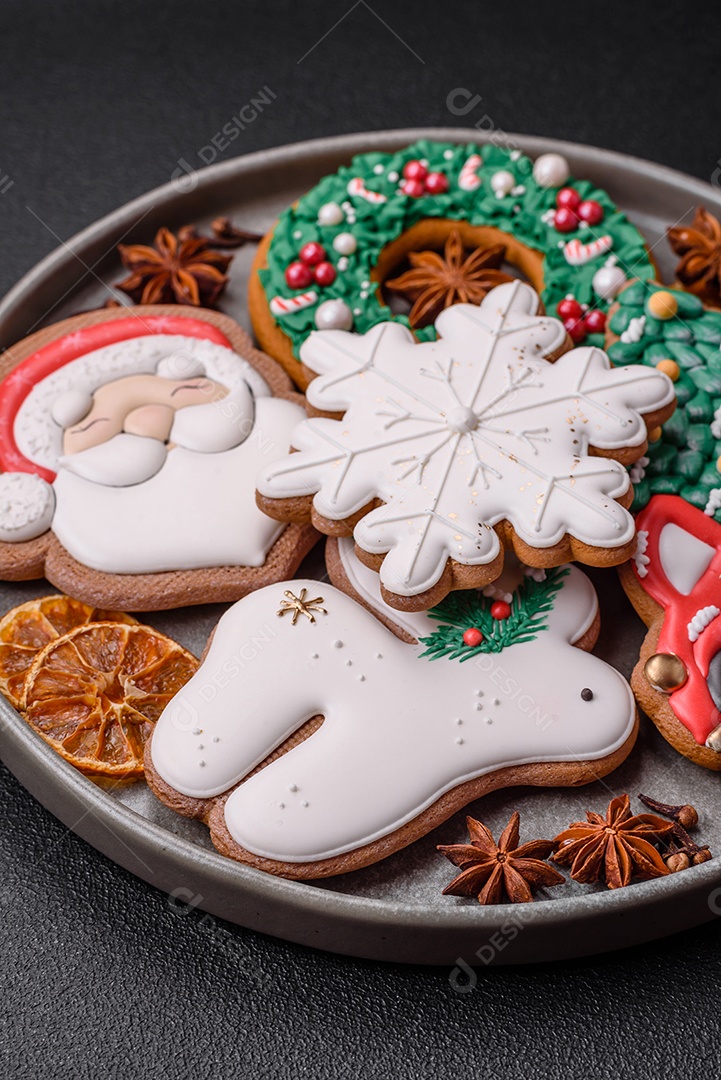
(411, 729)
(324, 264)
(672, 331)
(129, 444)
(448, 452)
(674, 584)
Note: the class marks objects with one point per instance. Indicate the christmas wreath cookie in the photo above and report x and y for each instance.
(437, 455)
(672, 331)
(129, 444)
(674, 582)
(404, 730)
(325, 263)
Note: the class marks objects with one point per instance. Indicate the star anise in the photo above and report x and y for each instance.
(175, 271)
(436, 281)
(503, 871)
(699, 244)
(615, 848)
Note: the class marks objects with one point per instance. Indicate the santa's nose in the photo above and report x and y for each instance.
(153, 421)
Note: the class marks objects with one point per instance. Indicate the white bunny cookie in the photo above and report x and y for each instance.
(411, 732)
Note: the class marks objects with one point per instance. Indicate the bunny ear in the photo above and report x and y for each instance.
(575, 605)
(677, 543)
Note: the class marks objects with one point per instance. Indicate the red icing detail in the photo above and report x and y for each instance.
(36, 367)
(298, 275)
(595, 321)
(576, 330)
(565, 220)
(415, 170)
(591, 212)
(324, 273)
(472, 637)
(436, 183)
(568, 197)
(312, 253)
(692, 703)
(500, 609)
(569, 309)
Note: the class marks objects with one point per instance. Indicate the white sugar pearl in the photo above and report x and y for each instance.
(393, 176)
(551, 170)
(503, 182)
(333, 315)
(608, 282)
(330, 213)
(378, 169)
(343, 263)
(345, 243)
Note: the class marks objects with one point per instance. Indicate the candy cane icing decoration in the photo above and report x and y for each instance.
(288, 305)
(357, 187)
(577, 254)
(468, 179)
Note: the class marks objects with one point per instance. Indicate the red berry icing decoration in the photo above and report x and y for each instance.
(472, 637)
(595, 322)
(576, 329)
(298, 275)
(591, 212)
(312, 253)
(500, 609)
(568, 198)
(436, 183)
(565, 219)
(414, 188)
(569, 309)
(415, 170)
(324, 273)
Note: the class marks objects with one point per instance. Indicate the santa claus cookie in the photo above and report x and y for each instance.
(130, 441)
(674, 582)
(326, 262)
(438, 455)
(380, 733)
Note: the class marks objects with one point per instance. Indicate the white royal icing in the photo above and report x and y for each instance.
(714, 502)
(684, 558)
(399, 731)
(26, 507)
(716, 424)
(638, 470)
(151, 527)
(634, 330)
(703, 617)
(38, 434)
(641, 559)
(456, 435)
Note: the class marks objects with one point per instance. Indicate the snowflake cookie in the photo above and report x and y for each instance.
(446, 452)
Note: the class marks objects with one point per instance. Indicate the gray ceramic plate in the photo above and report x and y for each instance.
(393, 911)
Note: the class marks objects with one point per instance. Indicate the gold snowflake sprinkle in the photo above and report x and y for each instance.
(300, 605)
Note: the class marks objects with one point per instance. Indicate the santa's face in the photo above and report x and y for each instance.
(134, 422)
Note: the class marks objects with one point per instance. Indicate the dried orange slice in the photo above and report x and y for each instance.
(95, 693)
(27, 629)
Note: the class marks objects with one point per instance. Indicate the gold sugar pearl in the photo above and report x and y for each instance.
(662, 305)
(654, 435)
(665, 672)
(670, 368)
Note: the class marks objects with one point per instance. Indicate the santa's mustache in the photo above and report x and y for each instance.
(210, 428)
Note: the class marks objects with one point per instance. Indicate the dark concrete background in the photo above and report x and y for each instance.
(101, 101)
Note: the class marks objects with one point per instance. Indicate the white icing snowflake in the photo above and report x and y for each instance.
(454, 436)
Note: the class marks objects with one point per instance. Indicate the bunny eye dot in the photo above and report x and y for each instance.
(587, 694)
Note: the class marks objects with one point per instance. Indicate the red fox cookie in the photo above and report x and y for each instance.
(674, 583)
(448, 451)
(129, 445)
(412, 729)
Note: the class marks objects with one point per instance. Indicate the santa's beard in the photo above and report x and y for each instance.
(198, 510)
(125, 459)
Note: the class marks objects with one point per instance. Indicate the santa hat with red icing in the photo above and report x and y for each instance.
(53, 387)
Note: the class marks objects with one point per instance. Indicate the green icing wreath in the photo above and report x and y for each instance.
(469, 609)
(683, 461)
(374, 226)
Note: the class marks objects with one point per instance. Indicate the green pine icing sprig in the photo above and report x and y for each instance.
(468, 609)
